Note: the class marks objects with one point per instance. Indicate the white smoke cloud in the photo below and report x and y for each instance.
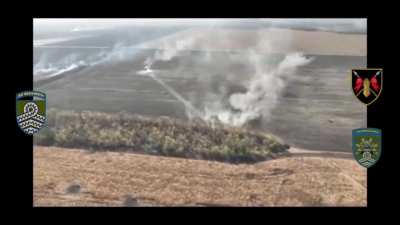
(169, 50)
(291, 62)
(263, 91)
(55, 71)
(263, 88)
(47, 67)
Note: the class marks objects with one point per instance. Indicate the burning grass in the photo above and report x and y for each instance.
(158, 136)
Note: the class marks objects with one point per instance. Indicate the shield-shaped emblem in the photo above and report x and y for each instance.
(367, 146)
(31, 111)
(367, 84)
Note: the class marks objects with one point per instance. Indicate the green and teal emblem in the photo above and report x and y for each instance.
(367, 146)
(31, 111)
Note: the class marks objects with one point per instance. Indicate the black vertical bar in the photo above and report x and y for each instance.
(375, 111)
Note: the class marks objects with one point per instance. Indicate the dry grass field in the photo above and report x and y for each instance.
(271, 40)
(73, 177)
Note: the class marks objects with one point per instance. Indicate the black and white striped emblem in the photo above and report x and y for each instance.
(31, 111)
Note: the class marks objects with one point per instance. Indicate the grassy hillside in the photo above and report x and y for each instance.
(159, 136)
(71, 177)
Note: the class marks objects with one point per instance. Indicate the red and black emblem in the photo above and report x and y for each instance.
(367, 84)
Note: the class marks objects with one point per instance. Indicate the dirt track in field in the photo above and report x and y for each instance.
(72, 177)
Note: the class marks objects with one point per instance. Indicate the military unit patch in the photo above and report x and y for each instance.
(367, 84)
(31, 111)
(367, 146)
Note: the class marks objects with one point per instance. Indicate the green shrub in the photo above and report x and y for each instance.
(163, 136)
(45, 137)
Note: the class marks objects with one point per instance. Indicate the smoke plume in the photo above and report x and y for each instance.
(263, 91)
(255, 100)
